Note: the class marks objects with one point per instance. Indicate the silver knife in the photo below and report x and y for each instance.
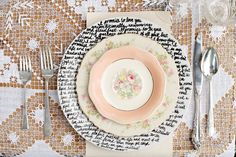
(197, 85)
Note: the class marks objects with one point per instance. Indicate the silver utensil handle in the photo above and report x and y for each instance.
(47, 119)
(25, 123)
(210, 124)
(196, 136)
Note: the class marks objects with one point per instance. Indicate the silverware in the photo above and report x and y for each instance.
(25, 72)
(197, 84)
(47, 73)
(209, 67)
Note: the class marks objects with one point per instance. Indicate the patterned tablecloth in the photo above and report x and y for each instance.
(26, 25)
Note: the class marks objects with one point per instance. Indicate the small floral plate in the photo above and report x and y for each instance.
(126, 84)
(163, 110)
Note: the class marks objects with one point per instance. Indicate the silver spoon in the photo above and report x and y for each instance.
(209, 67)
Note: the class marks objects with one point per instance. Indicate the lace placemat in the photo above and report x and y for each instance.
(26, 25)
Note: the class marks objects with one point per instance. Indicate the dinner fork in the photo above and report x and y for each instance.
(47, 73)
(25, 72)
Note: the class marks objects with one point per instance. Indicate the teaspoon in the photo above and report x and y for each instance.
(209, 67)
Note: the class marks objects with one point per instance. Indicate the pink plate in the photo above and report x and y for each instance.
(131, 116)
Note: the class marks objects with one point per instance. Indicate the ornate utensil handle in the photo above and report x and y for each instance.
(47, 119)
(196, 136)
(210, 124)
(25, 123)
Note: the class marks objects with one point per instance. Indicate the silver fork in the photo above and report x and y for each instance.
(47, 73)
(25, 72)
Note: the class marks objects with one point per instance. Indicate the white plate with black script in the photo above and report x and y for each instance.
(72, 60)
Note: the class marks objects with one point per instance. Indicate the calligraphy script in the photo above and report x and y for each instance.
(73, 58)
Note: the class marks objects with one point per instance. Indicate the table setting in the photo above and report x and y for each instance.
(101, 78)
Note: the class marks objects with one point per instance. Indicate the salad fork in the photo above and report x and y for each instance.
(25, 72)
(47, 73)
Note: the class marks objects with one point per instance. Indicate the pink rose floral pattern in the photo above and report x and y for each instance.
(127, 84)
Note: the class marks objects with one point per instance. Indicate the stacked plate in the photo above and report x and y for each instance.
(124, 83)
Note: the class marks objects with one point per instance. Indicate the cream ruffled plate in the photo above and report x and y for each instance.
(163, 111)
